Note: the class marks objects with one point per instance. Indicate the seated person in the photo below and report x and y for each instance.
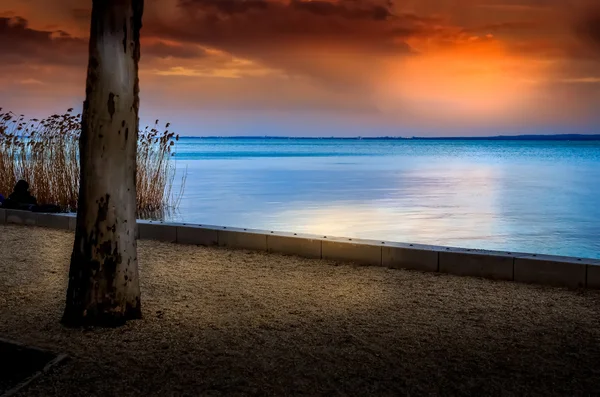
(20, 198)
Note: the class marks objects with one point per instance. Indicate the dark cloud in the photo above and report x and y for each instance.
(365, 24)
(82, 14)
(587, 27)
(21, 44)
(351, 9)
(226, 7)
(337, 43)
(163, 49)
(345, 9)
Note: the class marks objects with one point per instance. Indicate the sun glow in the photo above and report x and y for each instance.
(477, 79)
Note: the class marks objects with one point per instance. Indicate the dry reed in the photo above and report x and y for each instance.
(46, 154)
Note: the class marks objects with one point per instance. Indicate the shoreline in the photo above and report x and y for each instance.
(559, 271)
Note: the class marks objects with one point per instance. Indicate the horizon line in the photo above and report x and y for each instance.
(589, 137)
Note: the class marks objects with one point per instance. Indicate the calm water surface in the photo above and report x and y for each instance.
(539, 197)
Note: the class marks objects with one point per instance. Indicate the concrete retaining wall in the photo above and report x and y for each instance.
(592, 279)
(486, 264)
(242, 239)
(552, 270)
(410, 256)
(522, 267)
(306, 246)
(362, 252)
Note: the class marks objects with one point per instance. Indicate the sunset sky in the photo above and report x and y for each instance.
(327, 67)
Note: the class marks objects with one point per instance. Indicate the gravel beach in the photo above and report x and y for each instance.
(223, 322)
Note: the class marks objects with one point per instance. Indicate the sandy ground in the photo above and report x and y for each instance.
(220, 322)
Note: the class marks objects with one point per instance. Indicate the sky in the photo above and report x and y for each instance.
(327, 67)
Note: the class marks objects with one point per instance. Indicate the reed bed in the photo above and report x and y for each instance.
(46, 154)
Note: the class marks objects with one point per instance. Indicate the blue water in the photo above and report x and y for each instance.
(525, 196)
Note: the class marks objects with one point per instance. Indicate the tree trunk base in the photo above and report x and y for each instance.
(76, 319)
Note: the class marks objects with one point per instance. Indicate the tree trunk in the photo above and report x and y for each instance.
(103, 278)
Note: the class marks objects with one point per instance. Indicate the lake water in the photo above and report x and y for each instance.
(526, 196)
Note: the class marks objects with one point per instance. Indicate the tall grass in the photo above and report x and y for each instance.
(46, 154)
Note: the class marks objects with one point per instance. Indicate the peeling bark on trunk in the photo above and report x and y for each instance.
(103, 278)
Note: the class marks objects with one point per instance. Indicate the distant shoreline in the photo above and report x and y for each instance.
(558, 137)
